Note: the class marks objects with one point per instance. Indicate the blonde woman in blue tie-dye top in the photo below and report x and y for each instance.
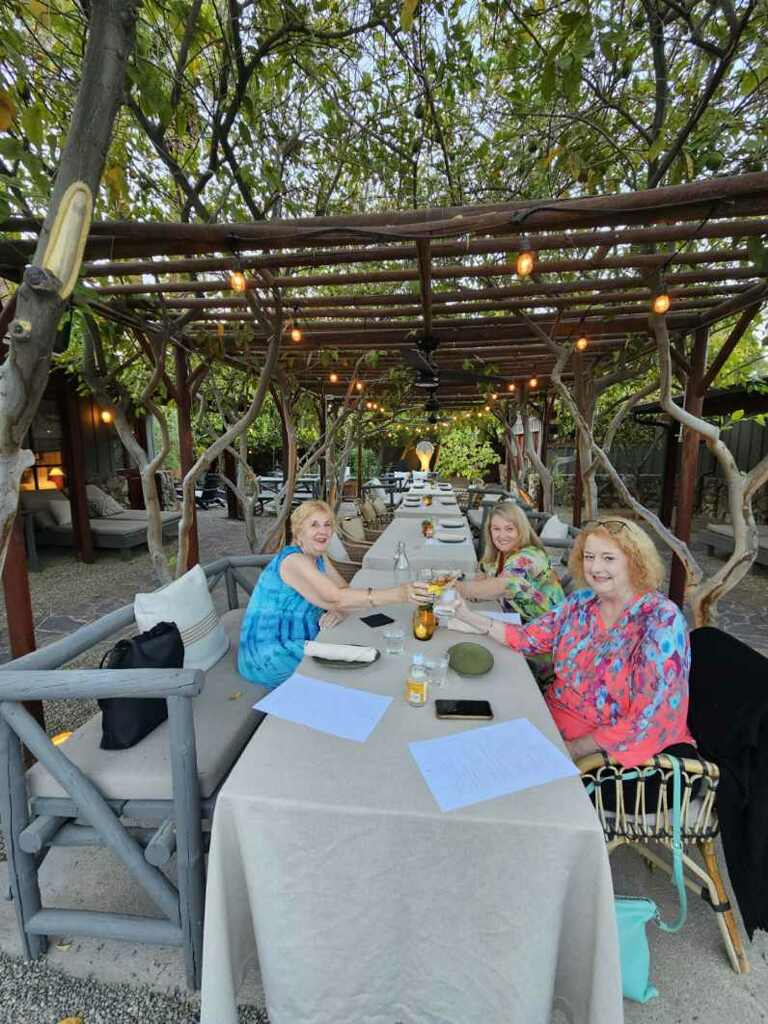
(298, 594)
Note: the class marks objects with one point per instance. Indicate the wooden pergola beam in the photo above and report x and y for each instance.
(425, 286)
(635, 261)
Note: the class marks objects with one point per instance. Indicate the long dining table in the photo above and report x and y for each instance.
(333, 868)
(456, 552)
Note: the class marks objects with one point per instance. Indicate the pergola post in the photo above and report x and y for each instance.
(230, 471)
(74, 462)
(186, 446)
(689, 461)
(578, 488)
(669, 478)
(18, 607)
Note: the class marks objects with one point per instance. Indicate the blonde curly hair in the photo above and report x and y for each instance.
(510, 513)
(646, 570)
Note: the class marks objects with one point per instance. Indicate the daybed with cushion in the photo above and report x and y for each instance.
(149, 803)
(719, 538)
(112, 526)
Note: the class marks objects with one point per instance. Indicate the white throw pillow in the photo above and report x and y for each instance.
(375, 489)
(554, 529)
(100, 504)
(337, 551)
(188, 603)
(61, 512)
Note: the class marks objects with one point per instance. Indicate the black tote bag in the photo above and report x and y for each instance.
(126, 720)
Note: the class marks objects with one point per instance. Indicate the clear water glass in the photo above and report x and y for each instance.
(438, 670)
(394, 640)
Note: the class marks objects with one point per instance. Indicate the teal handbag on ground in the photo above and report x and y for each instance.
(634, 913)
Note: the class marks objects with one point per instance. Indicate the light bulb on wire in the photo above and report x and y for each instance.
(237, 281)
(296, 334)
(333, 378)
(661, 303)
(533, 382)
(582, 343)
(526, 258)
(510, 387)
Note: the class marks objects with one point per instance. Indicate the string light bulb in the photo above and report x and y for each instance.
(510, 387)
(237, 281)
(526, 258)
(533, 382)
(494, 396)
(661, 303)
(358, 385)
(333, 378)
(582, 343)
(296, 333)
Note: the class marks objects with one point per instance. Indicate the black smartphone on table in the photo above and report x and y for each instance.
(377, 619)
(469, 709)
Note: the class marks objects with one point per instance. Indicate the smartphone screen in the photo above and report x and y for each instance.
(478, 709)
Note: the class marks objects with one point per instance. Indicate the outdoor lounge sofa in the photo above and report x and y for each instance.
(719, 538)
(147, 804)
(121, 530)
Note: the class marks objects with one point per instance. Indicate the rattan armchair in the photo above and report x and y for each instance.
(632, 816)
(346, 570)
(356, 549)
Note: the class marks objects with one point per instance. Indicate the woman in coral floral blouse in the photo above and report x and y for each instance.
(620, 650)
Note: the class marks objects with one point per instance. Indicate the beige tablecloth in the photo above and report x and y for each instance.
(421, 553)
(369, 906)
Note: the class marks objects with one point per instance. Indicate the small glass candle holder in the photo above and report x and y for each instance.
(424, 622)
(427, 500)
(427, 528)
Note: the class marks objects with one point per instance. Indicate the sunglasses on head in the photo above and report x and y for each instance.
(610, 525)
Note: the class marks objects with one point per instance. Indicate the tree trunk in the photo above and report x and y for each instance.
(94, 375)
(281, 394)
(226, 439)
(41, 297)
(543, 473)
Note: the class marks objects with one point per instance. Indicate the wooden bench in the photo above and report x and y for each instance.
(80, 795)
(719, 538)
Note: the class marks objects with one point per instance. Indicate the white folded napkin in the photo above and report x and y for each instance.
(339, 652)
(452, 524)
(462, 627)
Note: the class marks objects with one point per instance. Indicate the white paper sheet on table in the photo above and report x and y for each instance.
(494, 760)
(512, 618)
(327, 707)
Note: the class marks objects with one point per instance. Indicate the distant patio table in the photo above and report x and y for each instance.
(443, 504)
(333, 867)
(422, 553)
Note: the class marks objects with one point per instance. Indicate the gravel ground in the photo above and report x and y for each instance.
(66, 594)
(33, 993)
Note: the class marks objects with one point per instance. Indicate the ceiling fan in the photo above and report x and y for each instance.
(428, 374)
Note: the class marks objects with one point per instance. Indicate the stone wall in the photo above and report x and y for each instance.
(711, 499)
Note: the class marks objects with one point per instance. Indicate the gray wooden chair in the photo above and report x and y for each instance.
(79, 795)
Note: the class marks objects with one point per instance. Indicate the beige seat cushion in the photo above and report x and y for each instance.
(223, 724)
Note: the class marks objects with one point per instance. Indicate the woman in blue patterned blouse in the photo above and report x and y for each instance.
(298, 594)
